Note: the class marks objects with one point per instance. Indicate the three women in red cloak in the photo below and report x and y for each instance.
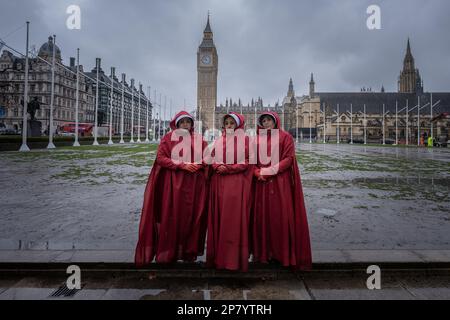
(244, 206)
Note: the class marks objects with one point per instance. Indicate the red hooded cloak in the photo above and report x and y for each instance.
(280, 227)
(173, 220)
(229, 207)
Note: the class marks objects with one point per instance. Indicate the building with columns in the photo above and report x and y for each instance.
(346, 115)
(131, 91)
(250, 111)
(12, 75)
(333, 115)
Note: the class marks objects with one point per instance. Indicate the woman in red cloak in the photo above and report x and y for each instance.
(173, 221)
(227, 245)
(280, 226)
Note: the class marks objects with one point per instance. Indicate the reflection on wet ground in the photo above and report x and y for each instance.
(438, 182)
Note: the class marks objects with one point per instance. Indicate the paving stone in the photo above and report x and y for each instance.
(26, 294)
(362, 294)
(130, 294)
(319, 256)
(103, 256)
(434, 255)
(391, 256)
(8, 244)
(65, 256)
(88, 294)
(28, 256)
(329, 256)
(431, 293)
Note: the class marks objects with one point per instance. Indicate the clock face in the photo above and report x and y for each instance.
(206, 59)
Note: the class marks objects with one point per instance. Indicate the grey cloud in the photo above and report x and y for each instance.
(261, 43)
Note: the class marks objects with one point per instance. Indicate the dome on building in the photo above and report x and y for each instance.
(46, 50)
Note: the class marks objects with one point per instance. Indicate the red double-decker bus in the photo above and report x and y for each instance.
(84, 129)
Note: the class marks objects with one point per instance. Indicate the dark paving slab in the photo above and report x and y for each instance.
(328, 286)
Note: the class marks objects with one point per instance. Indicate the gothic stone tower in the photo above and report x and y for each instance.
(409, 80)
(207, 68)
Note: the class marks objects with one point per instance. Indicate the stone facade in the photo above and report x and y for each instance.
(345, 115)
(12, 71)
(12, 76)
(132, 91)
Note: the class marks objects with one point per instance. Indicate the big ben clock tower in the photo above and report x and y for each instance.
(207, 67)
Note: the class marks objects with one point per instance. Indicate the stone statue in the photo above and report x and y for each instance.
(34, 126)
(32, 107)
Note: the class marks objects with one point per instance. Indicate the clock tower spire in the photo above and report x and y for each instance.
(207, 69)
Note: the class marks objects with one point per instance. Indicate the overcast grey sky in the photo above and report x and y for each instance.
(261, 43)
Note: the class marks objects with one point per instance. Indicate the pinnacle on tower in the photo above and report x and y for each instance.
(408, 48)
(312, 87)
(409, 59)
(291, 92)
(208, 26)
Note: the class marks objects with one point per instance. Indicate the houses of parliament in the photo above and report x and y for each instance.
(334, 115)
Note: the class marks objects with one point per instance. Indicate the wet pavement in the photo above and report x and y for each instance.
(366, 197)
(385, 206)
(357, 197)
(110, 285)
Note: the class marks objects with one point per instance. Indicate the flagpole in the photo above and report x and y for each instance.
(384, 141)
(431, 115)
(139, 114)
(365, 126)
(149, 92)
(214, 123)
(310, 124)
(122, 109)
(351, 123)
(110, 142)
(97, 64)
(24, 147)
(77, 101)
(338, 123)
(165, 107)
(296, 115)
(396, 122)
(132, 111)
(170, 110)
(159, 127)
(200, 123)
(407, 125)
(256, 120)
(154, 116)
(324, 123)
(52, 98)
(418, 121)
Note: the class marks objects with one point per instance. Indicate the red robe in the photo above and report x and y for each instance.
(173, 220)
(280, 227)
(229, 211)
